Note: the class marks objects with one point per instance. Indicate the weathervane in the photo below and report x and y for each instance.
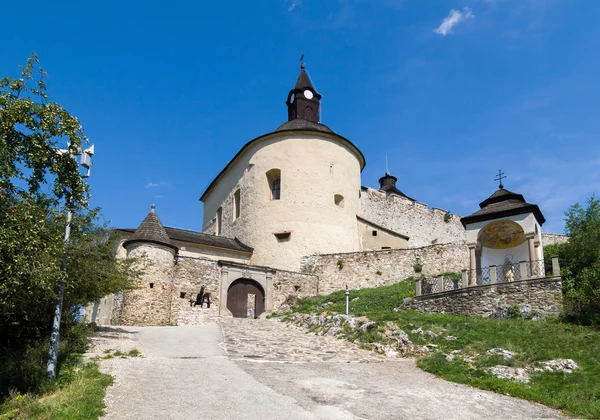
(302, 59)
(500, 177)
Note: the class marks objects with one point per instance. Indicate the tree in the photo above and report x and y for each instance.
(31, 130)
(37, 186)
(580, 262)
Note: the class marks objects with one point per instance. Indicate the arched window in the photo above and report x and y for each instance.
(236, 204)
(274, 183)
(219, 221)
(338, 199)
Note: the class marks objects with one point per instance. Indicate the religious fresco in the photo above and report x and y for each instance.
(502, 234)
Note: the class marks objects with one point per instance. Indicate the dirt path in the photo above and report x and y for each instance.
(262, 369)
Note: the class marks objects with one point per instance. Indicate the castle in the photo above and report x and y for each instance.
(288, 217)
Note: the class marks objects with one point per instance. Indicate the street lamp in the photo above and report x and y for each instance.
(85, 160)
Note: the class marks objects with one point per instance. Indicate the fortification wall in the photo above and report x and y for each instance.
(422, 225)
(374, 268)
(289, 285)
(540, 296)
(553, 238)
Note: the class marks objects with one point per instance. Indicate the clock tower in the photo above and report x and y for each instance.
(303, 101)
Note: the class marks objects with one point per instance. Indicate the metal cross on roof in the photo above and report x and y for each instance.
(301, 58)
(500, 177)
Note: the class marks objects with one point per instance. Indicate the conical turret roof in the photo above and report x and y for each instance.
(151, 230)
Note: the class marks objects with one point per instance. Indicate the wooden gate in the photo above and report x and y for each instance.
(245, 298)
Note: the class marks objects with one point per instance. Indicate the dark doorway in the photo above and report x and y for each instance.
(246, 298)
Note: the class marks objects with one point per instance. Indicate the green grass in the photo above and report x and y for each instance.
(80, 397)
(577, 393)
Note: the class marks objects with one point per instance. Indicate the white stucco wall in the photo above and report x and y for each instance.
(519, 253)
(314, 167)
(382, 240)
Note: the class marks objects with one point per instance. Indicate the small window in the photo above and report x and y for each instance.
(338, 200)
(274, 183)
(283, 236)
(182, 295)
(219, 221)
(152, 285)
(236, 204)
(374, 233)
(275, 189)
(386, 247)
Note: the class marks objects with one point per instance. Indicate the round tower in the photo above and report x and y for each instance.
(150, 303)
(292, 192)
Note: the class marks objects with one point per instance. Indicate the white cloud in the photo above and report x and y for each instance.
(454, 18)
(293, 4)
(156, 184)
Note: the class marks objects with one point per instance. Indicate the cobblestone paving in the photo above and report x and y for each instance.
(264, 340)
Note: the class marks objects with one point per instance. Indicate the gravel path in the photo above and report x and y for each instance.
(263, 369)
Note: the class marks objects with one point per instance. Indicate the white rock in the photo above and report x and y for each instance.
(506, 354)
(507, 372)
(560, 365)
(450, 338)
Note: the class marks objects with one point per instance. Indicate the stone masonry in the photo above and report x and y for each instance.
(540, 295)
(164, 290)
(422, 225)
(375, 268)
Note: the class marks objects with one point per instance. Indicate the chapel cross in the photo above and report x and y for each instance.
(301, 58)
(500, 177)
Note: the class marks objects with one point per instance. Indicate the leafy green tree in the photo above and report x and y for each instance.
(580, 262)
(37, 186)
(31, 130)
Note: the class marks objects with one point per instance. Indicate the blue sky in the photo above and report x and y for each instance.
(451, 91)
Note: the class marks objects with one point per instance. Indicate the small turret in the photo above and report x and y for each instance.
(151, 231)
(387, 184)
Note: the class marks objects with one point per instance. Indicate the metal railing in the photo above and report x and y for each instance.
(506, 273)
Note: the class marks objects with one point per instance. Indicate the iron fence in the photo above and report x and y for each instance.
(504, 273)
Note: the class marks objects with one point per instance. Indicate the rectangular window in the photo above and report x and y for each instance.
(219, 221)
(236, 204)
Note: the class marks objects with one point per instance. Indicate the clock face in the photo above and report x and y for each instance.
(308, 94)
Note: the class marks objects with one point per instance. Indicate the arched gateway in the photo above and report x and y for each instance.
(246, 290)
(246, 298)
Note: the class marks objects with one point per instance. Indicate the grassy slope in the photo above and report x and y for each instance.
(81, 398)
(577, 393)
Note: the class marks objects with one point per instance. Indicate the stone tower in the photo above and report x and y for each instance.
(150, 303)
(292, 192)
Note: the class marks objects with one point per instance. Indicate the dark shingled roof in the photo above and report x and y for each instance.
(203, 239)
(388, 185)
(501, 204)
(302, 124)
(304, 80)
(151, 230)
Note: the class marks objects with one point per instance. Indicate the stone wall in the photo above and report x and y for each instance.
(411, 218)
(289, 285)
(374, 268)
(173, 285)
(490, 301)
(553, 238)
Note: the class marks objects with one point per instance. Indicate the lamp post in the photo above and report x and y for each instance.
(347, 300)
(86, 162)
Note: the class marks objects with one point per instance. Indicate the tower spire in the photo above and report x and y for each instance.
(303, 100)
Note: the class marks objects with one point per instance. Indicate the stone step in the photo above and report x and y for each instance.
(195, 315)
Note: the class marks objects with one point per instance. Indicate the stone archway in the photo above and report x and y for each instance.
(245, 298)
